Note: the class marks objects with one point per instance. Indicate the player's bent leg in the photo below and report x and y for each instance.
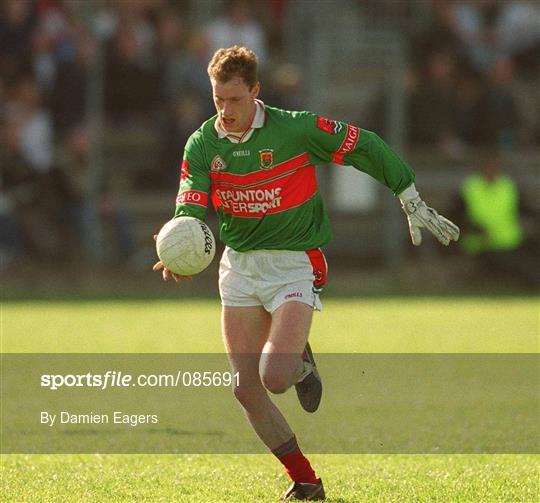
(281, 362)
(287, 357)
(245, 330)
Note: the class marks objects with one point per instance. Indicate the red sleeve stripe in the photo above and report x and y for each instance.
(193, 197)
(184, 169)
(348, 145)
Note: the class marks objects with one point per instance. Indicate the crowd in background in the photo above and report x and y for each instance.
(154, 76)
(474, 75)
(472, 79)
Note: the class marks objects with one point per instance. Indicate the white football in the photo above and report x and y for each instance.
(185, 245)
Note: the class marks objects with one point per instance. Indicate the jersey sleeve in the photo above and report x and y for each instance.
(192, 199)
(333, 141)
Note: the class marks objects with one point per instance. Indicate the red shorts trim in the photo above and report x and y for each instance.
(319, 265)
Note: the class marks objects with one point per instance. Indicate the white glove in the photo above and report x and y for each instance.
(420, 215)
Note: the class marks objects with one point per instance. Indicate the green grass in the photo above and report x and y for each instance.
(504, 325)
(257, 478)
(492, 325)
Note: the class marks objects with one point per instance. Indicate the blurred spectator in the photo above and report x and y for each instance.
(500, 116)
(16, 24)
(186, 70)
(37, 192)
(186, 113)
(477, 24)
(43, 58)
(68, 101)
(186, 97)
(118, 241)
(285, 88)
(275, 15)
(237, 26)
(433, 104)
(440, 35)
(131, 76)
(50, 41)
(183, 60)
(469, 91)
(34, 123)
(491, 29)
(491, 212)
(17, 192)
(493, 97)
(170, 36)
(519, 26)
(138, 14)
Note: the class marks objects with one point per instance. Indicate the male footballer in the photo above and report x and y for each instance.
(256, 165)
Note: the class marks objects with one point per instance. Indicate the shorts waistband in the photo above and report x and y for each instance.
(263, 251)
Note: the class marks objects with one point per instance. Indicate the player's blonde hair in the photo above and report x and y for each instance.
(233, 62)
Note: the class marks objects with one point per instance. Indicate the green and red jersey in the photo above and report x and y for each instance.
(264, 189)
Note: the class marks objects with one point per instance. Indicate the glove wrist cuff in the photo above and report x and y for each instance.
(408, 194)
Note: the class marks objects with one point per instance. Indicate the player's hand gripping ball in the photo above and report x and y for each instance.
(185, 246)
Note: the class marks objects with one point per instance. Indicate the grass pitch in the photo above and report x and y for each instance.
(257, 478)
(394, 325)
(374, 325)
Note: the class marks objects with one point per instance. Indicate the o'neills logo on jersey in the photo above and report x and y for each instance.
(266, 158)
(241, 153)
(249, 201)
(218, 164)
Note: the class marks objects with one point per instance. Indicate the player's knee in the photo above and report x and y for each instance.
(275, 382)
(247, 396)
(275, 370)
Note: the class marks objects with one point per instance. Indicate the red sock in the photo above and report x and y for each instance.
(295, 463)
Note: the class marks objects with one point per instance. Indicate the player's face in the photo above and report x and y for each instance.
(235, 103)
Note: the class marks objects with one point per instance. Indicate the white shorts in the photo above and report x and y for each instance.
(269, 278)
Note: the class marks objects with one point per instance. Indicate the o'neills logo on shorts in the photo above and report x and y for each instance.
(249, 201)
(295, 295)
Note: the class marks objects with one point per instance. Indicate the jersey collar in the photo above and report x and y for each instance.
(258, 122)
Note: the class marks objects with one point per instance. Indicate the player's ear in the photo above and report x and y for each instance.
(255, 90)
